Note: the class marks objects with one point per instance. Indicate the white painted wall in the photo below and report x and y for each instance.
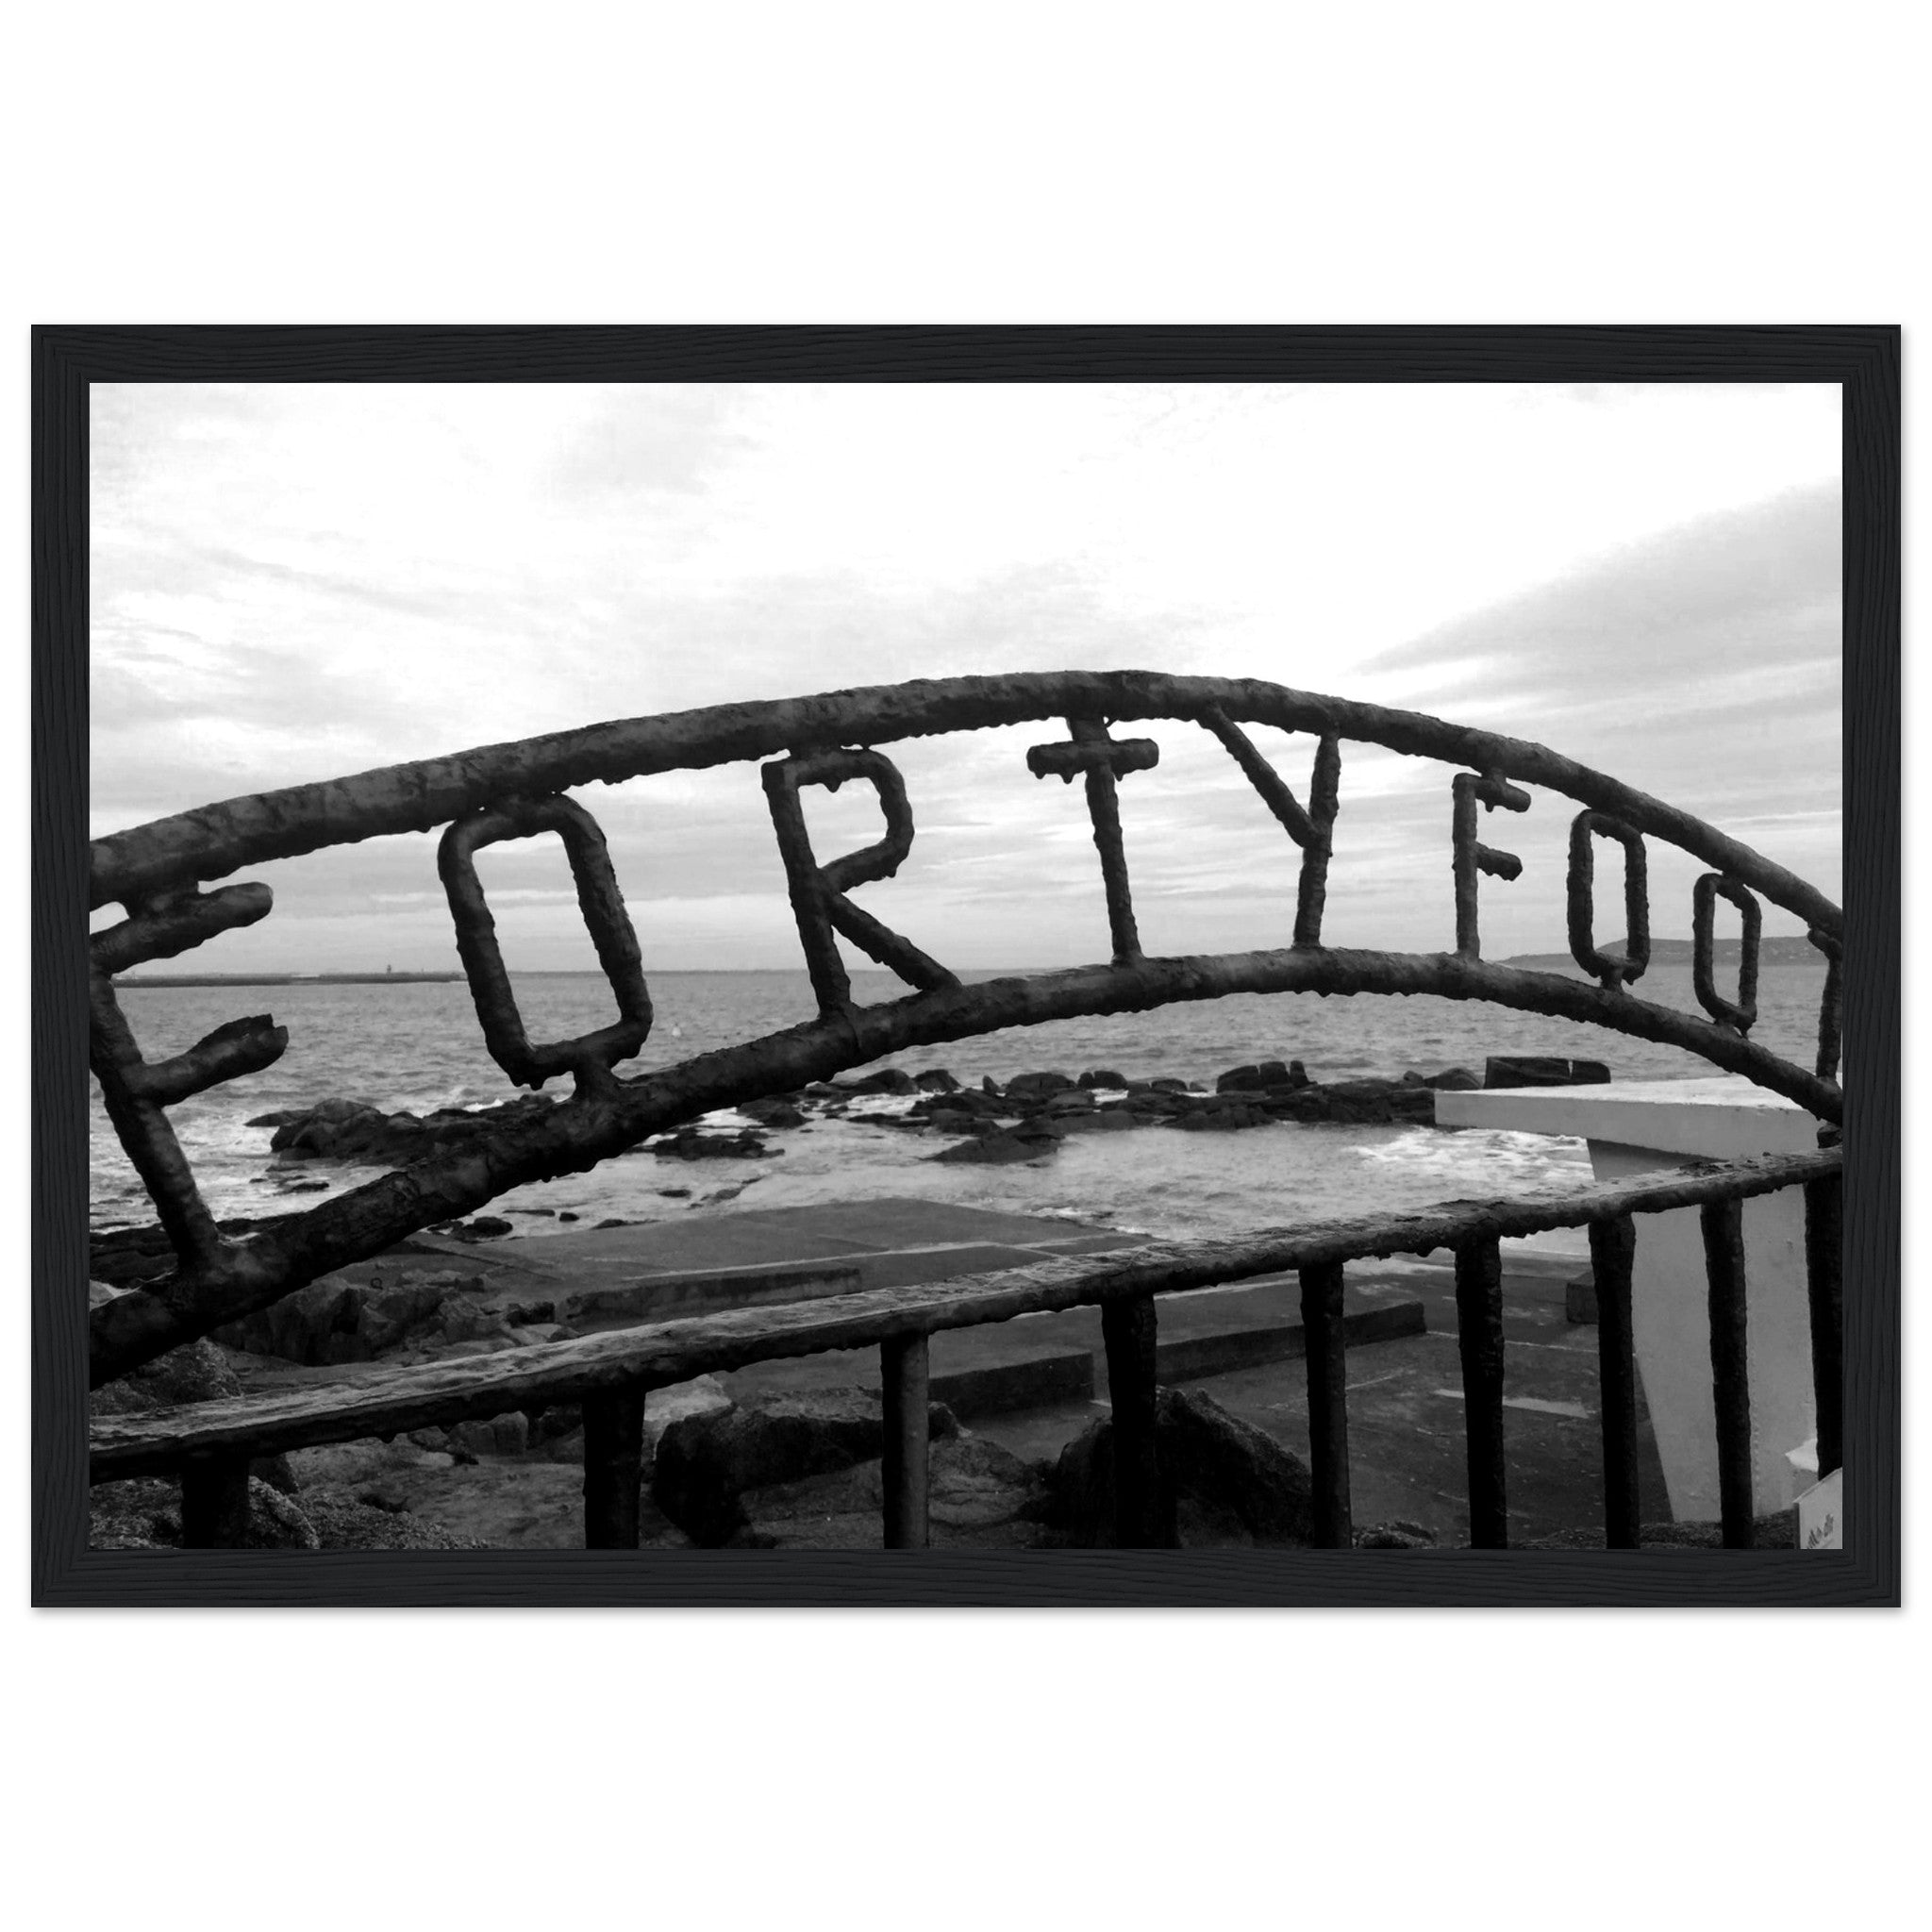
(1653, 1124)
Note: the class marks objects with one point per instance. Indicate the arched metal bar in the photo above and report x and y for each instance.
(214, 840)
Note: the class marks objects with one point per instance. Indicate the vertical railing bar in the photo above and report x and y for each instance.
(1479, 1339)
(613, 1466)
(1722, 1224)
(1128, 1329)
(1612, 1254)
(1823, 1282)
(214, 1502)
(906, 1377)
(1328, 1359)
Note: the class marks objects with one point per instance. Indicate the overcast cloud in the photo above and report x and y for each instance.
(296, 582)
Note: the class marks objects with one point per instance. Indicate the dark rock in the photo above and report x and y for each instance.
(1103, 1077)
(615, 1221)
(1588, 1074)
(936, 1081)
(1455, 1080)
(353, 1130)
(196, 1372)
(498, 1435)
(1001, 1147)
(988, 1085)
(1524, 1071)
(1076, 1100)
(693, 1143)
(776, 1113)
(276, 1472)
(333, 1322)
(566, 1215)
(886, 1080)
(486, 1227)
(520, 1314)
(1393, 1536)
(1040, 1084)
(705, 1463)
(1220, 1476)
(1248, 1079)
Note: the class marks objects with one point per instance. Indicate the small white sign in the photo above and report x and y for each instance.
(1821, 1514)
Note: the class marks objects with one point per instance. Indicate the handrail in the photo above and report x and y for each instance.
(216, 1438)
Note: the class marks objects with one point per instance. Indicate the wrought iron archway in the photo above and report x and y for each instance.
(156, 871)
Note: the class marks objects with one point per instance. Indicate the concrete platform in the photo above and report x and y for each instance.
(1034, 1383)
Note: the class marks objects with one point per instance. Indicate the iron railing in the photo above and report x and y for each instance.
(210, 1445)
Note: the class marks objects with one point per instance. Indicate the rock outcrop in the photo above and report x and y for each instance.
(1222, 1480)
(706, 1463)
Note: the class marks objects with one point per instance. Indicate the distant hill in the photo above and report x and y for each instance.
(1791, 950)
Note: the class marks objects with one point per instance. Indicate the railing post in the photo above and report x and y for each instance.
(1723, 1268)
(613, 1466)
(1127, 1327)
(1479, 1337)
(1823, 1266)
(1612, 1250)
(1327, 1403)
(905, 1374)
(214, 1502)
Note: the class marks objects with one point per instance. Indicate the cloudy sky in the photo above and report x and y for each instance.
(296, 582)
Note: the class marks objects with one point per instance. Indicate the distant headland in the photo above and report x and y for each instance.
(391, 979)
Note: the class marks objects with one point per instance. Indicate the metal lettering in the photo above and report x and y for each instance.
(1103, 760)
(818, 901)
(1613, 973)
(1312, 829)
(1470, 857)
(591, 1056)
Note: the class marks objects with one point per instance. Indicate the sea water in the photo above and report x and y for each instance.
(418, 1046)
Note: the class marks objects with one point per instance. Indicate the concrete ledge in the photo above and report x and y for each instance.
(705, 1292)
(1188, 1357)
(1039, 1379)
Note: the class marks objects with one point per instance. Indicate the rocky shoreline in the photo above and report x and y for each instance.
(1022, 1119)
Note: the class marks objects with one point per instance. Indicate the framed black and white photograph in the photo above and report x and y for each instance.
(1009, 966)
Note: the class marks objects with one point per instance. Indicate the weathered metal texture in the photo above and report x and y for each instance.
(905, 1378)
(386, 1401)
(818, 901)
(250, 1273)
(214, 1502)
(1313, 830)
(1612, 1253)
(1614, 970)
(1740, 1015)
(1469, 856)
(1722, 1224)
(1479, 1341)
(1823, 1277)
(1141, 1514)
(136, 1094)
(510, 791)
(613, 1466)
(214, 840)
(176, 925)
(1830, 1005)
(1327, 1359)
(1103, 760)
(591, 1056)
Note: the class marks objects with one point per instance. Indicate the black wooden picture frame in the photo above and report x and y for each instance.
(1865, 360)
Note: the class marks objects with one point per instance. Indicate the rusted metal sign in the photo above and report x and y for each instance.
(155, 873)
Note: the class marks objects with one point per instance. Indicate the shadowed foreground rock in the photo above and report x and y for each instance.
(705, 1463)
(1223, 1480)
